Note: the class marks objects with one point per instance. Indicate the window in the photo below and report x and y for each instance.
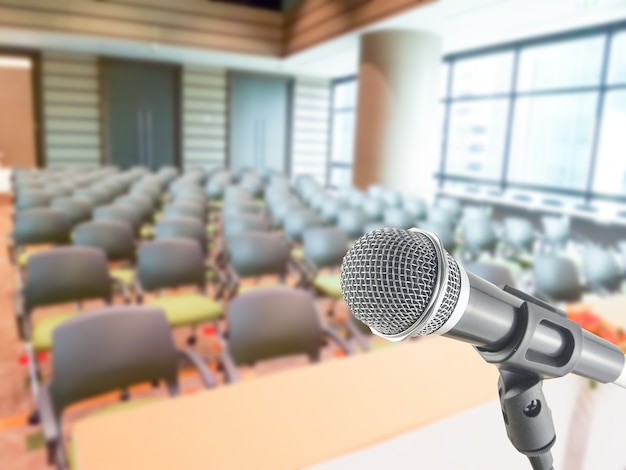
(552, 138)
(544, 115)
(343, 132)
(476, 138)
(610, 174)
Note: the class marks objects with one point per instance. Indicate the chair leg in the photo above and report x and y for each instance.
(193, 338)
(33, 377)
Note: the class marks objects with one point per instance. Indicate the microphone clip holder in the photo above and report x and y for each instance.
(523, 367)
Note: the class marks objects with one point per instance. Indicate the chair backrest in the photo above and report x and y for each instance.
(186, 209)
(41, 226)
(443, 230)
(116, 239)
(76, 210)
(125, 214)
(273, 322)
(170, 263)
(217, 183)
(602, 269)
(236, 224)
(32, 199)
(374, 208)
(557, 277)
(66, 274)
(399, 218)
(143, 204)
(479, 236)
(111, 349)
(258, 254)
(331, 209)
(298, 221)
(519, 233)
(352, 222)
(181, 227)
(325, 246)
(232, 207)
(95, 196)
(415, 206)
(493, 271)
(556, 229)
(253, 183)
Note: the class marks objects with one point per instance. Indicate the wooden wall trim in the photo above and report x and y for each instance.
(316, 21)
(204, 24)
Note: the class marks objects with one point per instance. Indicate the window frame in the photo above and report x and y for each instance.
(588, 194)
(331, 164)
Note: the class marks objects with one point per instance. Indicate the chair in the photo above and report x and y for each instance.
(108, 350)
(352, 222)
(296, 222)
(416, 207)
(142, 204)
(496, 272)
(602, 270)
(399, 218)
(32, 199)
(186, 209)
(556, 232)
(34, 227)
(253, 255)
(58, 276)
(275, 322)
(169, 264)
(76, 210)
(236, 224)
(324, 249)
(373, 208)
(557, 278)
(444, 231)
(519, 235)
(172, 226)
(126, 214)
(479, 237)
(117, 241)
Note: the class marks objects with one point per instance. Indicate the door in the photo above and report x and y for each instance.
(140, 114)
(259, 122)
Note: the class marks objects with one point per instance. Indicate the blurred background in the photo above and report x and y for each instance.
(190, 156)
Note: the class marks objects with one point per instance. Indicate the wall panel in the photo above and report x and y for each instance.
(205, 117)
(309, 141)
(71, 109)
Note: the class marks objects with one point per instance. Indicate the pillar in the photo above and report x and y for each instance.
(398, 128)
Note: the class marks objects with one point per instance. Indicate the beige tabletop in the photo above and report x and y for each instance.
(612, 308)
(296, 418)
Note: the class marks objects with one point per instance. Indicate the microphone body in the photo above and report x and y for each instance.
(402, 284)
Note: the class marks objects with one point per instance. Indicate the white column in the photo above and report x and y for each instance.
(398, 129)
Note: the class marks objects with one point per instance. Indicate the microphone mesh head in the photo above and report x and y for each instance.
(390, 279)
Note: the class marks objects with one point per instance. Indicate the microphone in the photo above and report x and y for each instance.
(402, 283)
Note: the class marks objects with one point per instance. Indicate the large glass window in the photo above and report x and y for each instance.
(476, 138)
(610, 172)
(540, 115)
(343, 132)
(567, 64)
(552, 138)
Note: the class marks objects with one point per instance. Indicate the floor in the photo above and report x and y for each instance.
(21, 444)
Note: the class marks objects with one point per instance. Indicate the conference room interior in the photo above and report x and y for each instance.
(181, 180)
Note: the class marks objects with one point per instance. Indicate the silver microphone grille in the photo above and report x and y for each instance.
(400, 282)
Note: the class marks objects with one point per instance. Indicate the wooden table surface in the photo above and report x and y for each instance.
(294, 418)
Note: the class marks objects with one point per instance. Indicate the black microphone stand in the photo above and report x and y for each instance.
(527, 418)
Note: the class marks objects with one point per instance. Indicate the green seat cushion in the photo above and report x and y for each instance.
(22, 259)
(297, 254)
(43, 328)
(328, 284)
(211, 229)
(262, 285)
(121, 406)
(125, 275)
(188, 309)
(147, 231)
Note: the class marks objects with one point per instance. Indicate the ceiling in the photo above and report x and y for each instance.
(462, 24)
